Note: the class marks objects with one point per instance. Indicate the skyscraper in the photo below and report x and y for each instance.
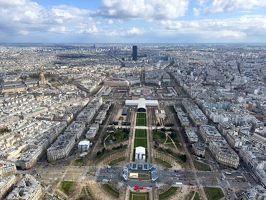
(135, 53)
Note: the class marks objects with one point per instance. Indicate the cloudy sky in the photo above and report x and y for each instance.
(133, 21)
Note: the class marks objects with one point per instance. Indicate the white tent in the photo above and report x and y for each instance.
(140, 153)
(142, 103)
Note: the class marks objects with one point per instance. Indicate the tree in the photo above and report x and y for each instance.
(163, 135)
(173, 134)
(183, 157)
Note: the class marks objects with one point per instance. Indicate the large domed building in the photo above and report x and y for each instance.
(42, 80)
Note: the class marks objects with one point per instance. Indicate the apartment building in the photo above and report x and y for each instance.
(76, 128)
(5, 185)
(92, 131)
(199, 149)
(223, 153)
(209, 133)
(30, 156)
(27, 188)
(61, 148)
(183, 118)
(195, 114)
(255, 193)
(255, 158)
(100, 117)
(234, 139)
(191, 135)
(7, 168)
(86, 115)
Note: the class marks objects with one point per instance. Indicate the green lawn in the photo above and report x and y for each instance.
(168, 193)
(141, 115)
(191, 195)
(214, 193)
(140, 142)
(141, 133)
(119, 135)
(201, 166)
(110, 190)
(139, 196)
(79, 162)
(141, 119)
(141, 122)
(113, 162)
(65, 186)
(158, 137)
(140, 138)
(196, 196)
(180, 157)
(163, 163)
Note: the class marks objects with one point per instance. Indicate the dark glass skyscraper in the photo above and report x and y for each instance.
(135, 53)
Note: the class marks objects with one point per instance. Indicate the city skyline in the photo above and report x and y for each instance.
(147, 21)
(180, 118)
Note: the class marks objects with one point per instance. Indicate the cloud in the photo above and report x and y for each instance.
(231, 34)
(134, 31)
(239, 28)
(196, 12)
(59, 29)
(122, 32)
(22, 32)
(25, 19)
(232, 5)
(5, 3)
(110, 21)
(91, 30)
(201, 2)
(68, 12)
(142, 9)
(22, 17)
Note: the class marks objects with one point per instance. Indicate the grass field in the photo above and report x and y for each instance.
(194, 196)
(65, 186)
(139, 196)
(79, 162)
(141, 122)
(201, 166)
(141, 133)
(113, 162)
(214, 193)
(140, 138)
(168, 193)
(141, 119)
(158, 137)
(141, 115)
(119, 135)
(140, 143)
(110, 190)
(163, 163)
